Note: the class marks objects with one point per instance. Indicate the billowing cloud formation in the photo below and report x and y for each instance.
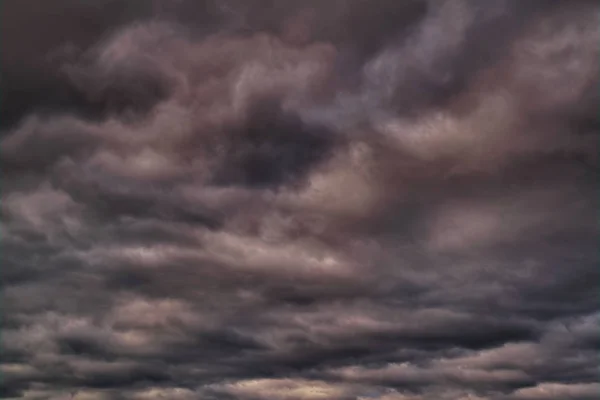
(296, 201)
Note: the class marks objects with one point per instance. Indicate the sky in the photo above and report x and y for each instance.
(299, 200)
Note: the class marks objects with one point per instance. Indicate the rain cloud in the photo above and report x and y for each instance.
(299, 200)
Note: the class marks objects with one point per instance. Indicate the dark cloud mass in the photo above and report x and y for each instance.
(299, 200)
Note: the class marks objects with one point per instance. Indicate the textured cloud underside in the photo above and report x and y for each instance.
(297, 201)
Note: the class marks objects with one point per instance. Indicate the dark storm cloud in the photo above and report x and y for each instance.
(32, 57)
(295, 200)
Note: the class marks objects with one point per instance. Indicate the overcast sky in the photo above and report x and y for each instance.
(300, 200)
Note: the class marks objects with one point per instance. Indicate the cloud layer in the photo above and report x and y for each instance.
(297, 201)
